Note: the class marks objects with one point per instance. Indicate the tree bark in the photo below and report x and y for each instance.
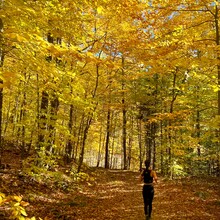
(174, 96)
(218, 72)
(198, 131)
(124, 121)
(107, 140)
(69, 146)
(1, 83)
(139, 125)
(85, 133)
(100, 147)
(88, 122)
(217, 31)
(42, 119)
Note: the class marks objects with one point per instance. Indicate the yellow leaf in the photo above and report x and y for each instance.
(2, 196)
(23, 212)
(100, 9)
(17, 198)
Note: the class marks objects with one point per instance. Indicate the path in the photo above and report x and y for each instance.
(118, 196)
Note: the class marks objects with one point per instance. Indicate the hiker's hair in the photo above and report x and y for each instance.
(147, 163)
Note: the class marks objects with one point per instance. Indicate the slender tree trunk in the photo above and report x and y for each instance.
(107, 139)
(217, 31)
(161, 149)
(1, 82)
(218, 70)
(198, 131)
(88, 122)
(124, 136)
(42, 124)
(129, 152)
(140, 143)
(85, 133)
(100, 147)
(112, 151)
(54, 104)
(154, 124)
(154, 128)
(114, 120)
(69, 147)
(130, 143)
(124, 121)
(79, 137)
(148, 141)
(23, 115)
(42, 119)
(174, 96)
(108, 123)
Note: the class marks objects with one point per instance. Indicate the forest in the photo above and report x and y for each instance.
(103, 85)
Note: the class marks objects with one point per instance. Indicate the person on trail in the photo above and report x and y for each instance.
(148, 176)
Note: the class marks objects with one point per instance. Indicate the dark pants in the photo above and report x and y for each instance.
(148, 195)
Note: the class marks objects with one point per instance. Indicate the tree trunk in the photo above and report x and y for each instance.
(1, 82)
(148, 143)
(100, 147)
(217, 31)
(69, 146)
(124, 136)
(218, 70)
(42, 125)
(88, 122)
(107, 140)
(154, 128)
(161, 150)
(140, 143)
(124, 121)
(85, 133)
(23, 115)
(198, 131)
(130, 140)
(54, 104)
(42, 119)
(174, 96)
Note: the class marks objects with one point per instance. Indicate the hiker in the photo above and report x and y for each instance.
(148, 176)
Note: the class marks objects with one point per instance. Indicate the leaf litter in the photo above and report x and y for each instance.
(116, 194)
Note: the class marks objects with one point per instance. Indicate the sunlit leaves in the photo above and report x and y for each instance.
(163, 53)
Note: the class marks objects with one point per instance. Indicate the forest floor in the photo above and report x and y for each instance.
(115, 194)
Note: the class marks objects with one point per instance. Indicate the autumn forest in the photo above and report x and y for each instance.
(106, 84)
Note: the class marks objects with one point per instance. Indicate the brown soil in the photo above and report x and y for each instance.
(115, 194)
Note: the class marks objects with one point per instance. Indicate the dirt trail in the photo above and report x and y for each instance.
(118, 195)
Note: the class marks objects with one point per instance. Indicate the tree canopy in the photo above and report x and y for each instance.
(110, 83)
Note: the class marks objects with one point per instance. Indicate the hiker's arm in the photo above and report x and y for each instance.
(155, 176)
(141, 178)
